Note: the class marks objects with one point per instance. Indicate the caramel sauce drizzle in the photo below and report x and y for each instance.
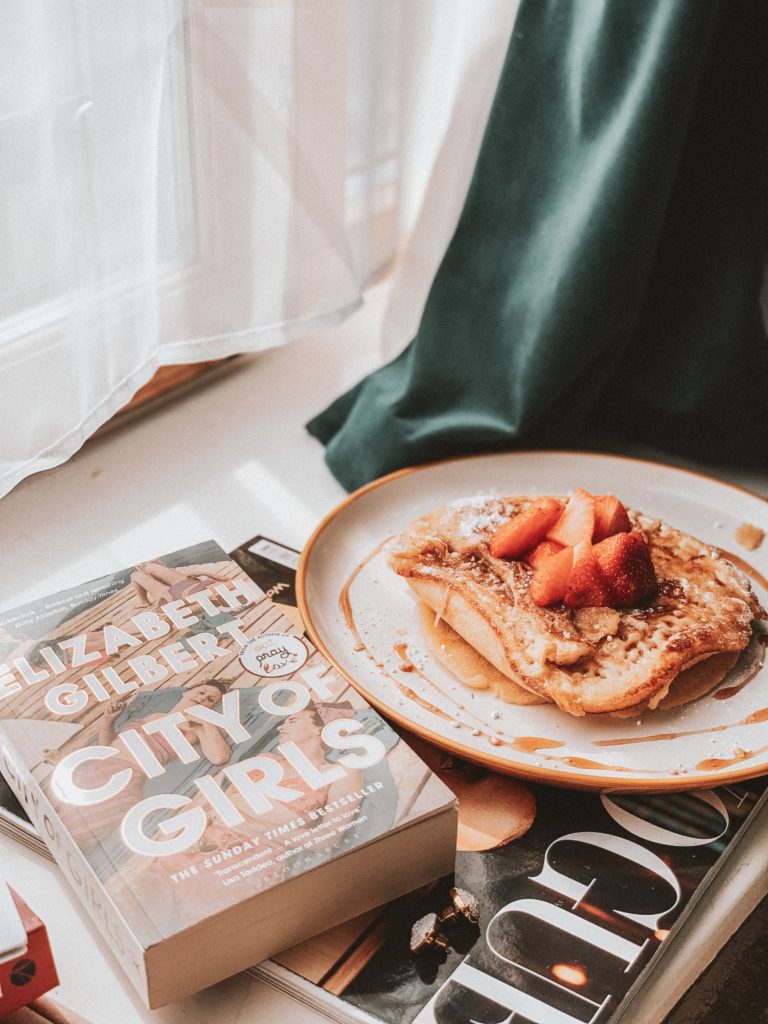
(538, 744)
(525, 744)
(746, 568)
(714, 764)
(754, 719)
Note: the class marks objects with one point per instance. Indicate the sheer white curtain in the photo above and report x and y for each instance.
(186, 179)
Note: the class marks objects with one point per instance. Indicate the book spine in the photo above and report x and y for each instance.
(76, 869)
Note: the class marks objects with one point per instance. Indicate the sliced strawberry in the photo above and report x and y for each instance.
(577, 523)
(587, 586)
(550, 580)
(546, 549)
(525, 529)
(626, 562)
(610, 518)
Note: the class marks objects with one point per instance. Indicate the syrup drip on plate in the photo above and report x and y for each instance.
(532, 744)
(462, 716)
(713, 764)
(752, 719)
(401, 650)
(583, 762)
(536, 744)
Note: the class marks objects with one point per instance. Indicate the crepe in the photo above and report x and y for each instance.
(587, 661)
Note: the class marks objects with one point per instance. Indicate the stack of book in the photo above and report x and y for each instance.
(15, 823)
(593, 909)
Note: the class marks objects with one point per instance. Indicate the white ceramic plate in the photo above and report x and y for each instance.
(376, 642)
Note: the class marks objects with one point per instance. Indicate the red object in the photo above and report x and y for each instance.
(626, 562)
(550, 580)
(587, 585)
(539, 555)
(577, 523)
(610, 517)
(525, 529)
(28, 976)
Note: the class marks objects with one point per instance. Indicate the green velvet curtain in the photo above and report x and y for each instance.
(605, 274)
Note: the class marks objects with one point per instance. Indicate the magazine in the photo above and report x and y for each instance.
(196, 768)
(573, 917)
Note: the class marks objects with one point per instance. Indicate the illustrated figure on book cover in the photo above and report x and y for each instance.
(192, 743)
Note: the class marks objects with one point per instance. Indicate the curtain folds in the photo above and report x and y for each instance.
(605, 273)
(187, 179)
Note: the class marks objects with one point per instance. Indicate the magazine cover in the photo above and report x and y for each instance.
(571, 915)
(182, 749)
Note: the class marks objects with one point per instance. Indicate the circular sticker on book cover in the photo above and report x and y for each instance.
(274, 655)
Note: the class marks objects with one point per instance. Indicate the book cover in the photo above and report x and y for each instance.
(196, 767)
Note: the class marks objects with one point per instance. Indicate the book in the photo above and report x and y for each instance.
(210, 786)
(14, 822)
(27, 970)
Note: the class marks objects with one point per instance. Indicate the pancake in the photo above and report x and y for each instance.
(590, 660)
(471, 668)
(691, 684)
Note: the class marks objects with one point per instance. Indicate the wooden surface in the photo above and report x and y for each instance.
(168, 379)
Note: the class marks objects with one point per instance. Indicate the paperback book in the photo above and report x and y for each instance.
(209, 785)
